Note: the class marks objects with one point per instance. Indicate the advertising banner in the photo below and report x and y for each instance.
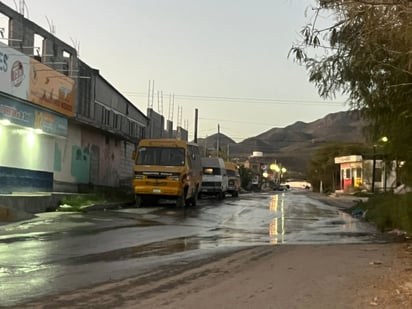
(14, 72)
(51, 89)
(28, 116)
(28, 79)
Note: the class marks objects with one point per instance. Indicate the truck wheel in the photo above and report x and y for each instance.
(180, 203)
(220, 196)
(181, 200)
(138, 201)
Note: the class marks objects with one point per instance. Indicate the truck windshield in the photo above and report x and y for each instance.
(161, 156)
(232, 173)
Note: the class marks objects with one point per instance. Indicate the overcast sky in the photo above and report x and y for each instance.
(227, 58)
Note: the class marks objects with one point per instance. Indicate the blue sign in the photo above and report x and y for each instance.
(30, 117)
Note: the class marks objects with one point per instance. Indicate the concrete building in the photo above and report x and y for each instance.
(356, 173)
(63, 127)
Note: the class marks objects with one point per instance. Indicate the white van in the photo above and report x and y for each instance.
(215, 178)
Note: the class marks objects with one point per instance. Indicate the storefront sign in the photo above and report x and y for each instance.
(28, 79)
(30, 117)
(347, 159)
(14, 72)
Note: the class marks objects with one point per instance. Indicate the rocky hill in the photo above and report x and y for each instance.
(294, 144)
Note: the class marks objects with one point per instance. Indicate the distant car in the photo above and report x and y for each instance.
(279, 187)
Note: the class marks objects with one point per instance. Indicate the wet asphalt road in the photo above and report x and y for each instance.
(64, 251)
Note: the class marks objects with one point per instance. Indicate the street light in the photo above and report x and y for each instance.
(383, 139)
(282, 171)
(276, 169)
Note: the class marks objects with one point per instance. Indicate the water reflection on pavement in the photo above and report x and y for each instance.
(62, 251)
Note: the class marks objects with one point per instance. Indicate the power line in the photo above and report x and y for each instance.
(248, 100)
(237, 121)
(257, 100)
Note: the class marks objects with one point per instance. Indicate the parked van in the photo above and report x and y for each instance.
(167, 169)
(233, 186)
(215, 178)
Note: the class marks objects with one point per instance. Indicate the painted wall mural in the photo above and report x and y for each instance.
(80, 167)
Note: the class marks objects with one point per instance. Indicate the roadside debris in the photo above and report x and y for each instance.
(397, 232)
(374, 302)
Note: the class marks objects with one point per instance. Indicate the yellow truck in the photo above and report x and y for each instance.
(233, 186)
(167, 169)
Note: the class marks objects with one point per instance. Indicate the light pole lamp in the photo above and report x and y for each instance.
(282, 171)
(373, 168)
(276, 169)
(383, 139)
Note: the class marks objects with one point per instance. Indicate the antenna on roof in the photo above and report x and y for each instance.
(22, 6)
(76, 45)
(171, 106)
(52, 28)
(179, 116)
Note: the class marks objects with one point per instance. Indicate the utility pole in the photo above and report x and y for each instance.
(149, 95)
(205, 147)
(195, 131)
(153, 87)
(373, 169)
(217, 140)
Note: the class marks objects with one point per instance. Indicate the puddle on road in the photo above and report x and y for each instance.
(278, 223)
(140, 251)
(18, 270)
(316, 222)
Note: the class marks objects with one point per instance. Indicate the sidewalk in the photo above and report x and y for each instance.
(25, 205)
(342, 201)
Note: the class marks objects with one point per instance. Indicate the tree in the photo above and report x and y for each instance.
(246, 176)
(366, 55)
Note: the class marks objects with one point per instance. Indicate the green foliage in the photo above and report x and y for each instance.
(365, 53)
(78, 202)
(246, 176)
(389, 211)
(82, 199)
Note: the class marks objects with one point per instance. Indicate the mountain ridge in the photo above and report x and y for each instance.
(294, 144)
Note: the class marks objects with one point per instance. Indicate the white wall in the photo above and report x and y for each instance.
(23, 149)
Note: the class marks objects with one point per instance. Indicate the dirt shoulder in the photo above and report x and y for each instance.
(305, 276)
(342, 202)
